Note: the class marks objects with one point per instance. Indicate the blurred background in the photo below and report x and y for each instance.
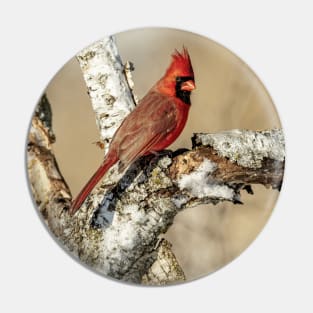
(228, 95)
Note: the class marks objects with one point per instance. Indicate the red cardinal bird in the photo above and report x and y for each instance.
(153, 125)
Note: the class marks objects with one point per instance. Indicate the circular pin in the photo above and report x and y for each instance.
(155, 156)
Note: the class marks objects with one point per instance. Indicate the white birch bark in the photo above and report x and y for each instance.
(108, 89)
(117, 230)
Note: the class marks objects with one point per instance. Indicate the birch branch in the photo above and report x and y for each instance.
(111, 97)
(49, 189)
(109, 91)
(117, 231)
(110, 88)
(154, 189)
(146, 199)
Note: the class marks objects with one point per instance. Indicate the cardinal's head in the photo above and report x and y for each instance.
(178, 80)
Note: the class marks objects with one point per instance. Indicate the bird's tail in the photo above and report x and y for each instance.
(79, 200)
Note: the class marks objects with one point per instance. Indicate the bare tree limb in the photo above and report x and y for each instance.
(48, 186)
(146, 199)
(117, 230)
(109, 91)
(154, 189)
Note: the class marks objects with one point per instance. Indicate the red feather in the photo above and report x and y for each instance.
(153, 125)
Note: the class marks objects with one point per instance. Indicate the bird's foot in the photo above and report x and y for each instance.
(156, 156)
(159, 154)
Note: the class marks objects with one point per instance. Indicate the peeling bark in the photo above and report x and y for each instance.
(117, 230)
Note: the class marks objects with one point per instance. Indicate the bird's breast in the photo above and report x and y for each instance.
(172, 134)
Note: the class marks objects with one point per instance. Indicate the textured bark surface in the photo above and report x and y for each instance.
(117, 231)
(109, 89)
(141, 206)
(52, 195)
(165, 269)
(47, 184)
(154, 189)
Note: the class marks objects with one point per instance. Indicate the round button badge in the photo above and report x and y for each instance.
(155, 156)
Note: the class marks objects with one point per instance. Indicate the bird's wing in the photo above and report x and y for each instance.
(154, 118)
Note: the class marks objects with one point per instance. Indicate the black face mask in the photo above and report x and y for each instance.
(183, 95)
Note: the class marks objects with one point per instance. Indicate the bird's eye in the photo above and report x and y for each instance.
(178, 79)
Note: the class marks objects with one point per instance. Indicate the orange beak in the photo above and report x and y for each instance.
(189, 85)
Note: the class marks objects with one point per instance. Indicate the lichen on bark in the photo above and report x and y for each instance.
(118, 230)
